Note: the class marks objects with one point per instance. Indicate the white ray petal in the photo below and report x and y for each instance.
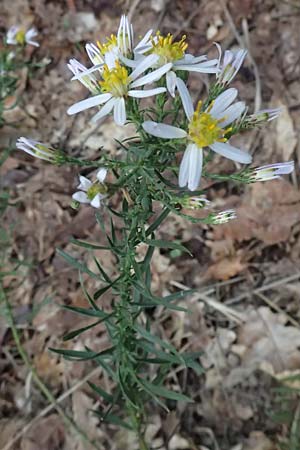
(95, 68)
(171, 82)
(195, 168)
(96, 202)
(190, 59)
(144, 65)
(163, 130)
(184, 167)
(104, 111)
(85, 183)
(120, 112)
(89, 103)
(232, 113)
(185, 98)
(129, 62)
(101, 174)
(146, 92)
(152, 76)
(143, 42)
(191, 167)
(80, 197)
(230, 152)
(223, 101)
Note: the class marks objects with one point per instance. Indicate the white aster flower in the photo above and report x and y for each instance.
(16, 35)
(92, 193)
(88, 80)
(117, 85)
(222, 217)
(170, 52)
(119, 46)
(206, 129)
(38, 150)
(231, 64)
(270, 171)
(198, 202)
(264, 115)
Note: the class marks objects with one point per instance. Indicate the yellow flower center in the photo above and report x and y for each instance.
(166, 49)
(20, 37)
(115, 81)
(97, 188)
(108, 45)
(204, 129)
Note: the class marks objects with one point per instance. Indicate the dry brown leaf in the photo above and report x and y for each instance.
(259, 441)
(47, 434)
(286, 139)
(268, 339)
(268, 212)
(225, 268)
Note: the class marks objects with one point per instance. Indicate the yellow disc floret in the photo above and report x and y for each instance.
(204, 129)
(166, 49)
(109, 45)
(115, 81)
(96, 188)
(20, 37)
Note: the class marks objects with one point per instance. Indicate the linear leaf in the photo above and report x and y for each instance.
(167, 244)
(77, 264)
(88, 245)
(163, 392)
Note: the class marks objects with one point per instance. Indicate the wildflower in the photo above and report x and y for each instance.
(230, 66)
(120, 46)
(222, 217)
(206, 129)
(88, 80)
(174, 53)
(39, 150)
(117, 85)
(90, 192)
(18, 36)
(264, 115)
(195, 202)
(270, 171)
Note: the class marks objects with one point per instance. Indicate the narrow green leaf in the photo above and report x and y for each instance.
(74, 333)
(77, 264)
(167, 244)
(81, 355)
(113, 419)
(158, 221)
(88, 245)
(102, 271)
(87, 311)
(86, 294)
(107, 397)
(166, 393)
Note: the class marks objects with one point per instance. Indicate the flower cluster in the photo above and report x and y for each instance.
(124, 71)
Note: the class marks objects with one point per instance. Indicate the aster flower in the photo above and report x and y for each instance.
(92, 193)
(88, 80)
(231, 64)
(264, 115)
(198, 202)
(270, 171)
(174, 53)
(117, 84)
(119, 46)
(38, 150)
(205, 129)
(16, 35)
(222, 217)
